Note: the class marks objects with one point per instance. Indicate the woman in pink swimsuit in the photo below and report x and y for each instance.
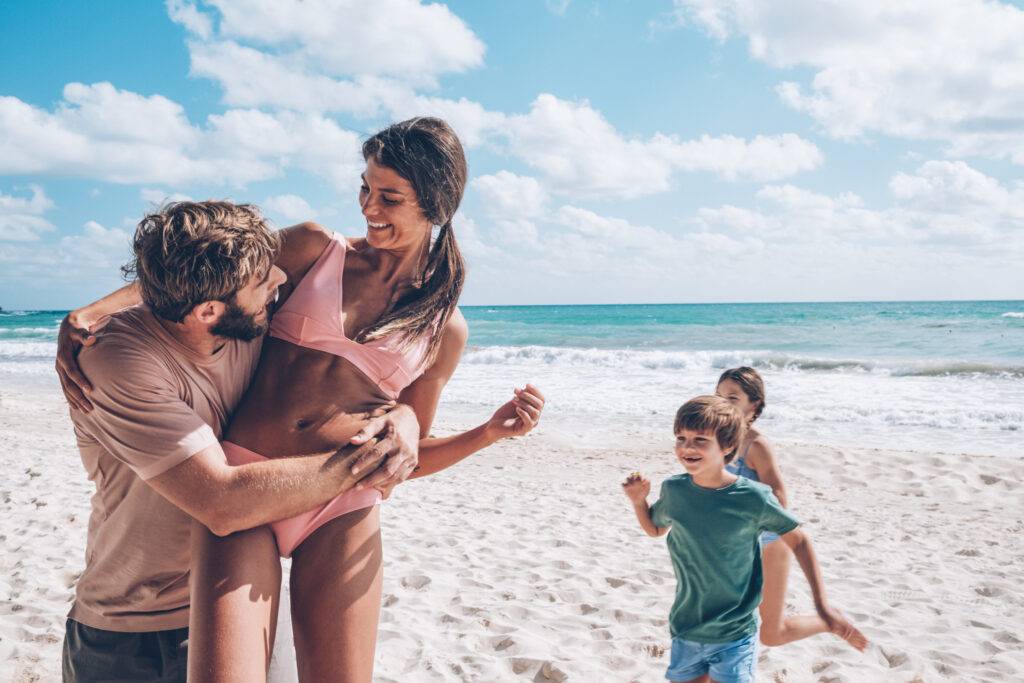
(362, 323)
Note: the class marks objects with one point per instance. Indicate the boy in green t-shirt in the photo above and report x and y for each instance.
(714, 519)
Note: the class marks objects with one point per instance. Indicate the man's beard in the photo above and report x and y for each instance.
(237, 323)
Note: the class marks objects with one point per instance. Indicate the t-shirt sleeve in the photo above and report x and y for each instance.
(138, 414)
(658, 513)
(776, 518)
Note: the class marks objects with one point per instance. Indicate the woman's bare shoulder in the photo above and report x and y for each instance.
(456, 331)
(301, 246)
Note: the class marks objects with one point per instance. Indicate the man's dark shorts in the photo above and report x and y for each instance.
(92, 654)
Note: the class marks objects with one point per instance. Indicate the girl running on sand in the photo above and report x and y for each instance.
(744, 388)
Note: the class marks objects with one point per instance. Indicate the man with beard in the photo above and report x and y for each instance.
(166, 377)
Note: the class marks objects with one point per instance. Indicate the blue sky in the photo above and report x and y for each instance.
(619, 152)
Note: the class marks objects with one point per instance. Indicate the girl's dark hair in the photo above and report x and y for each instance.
(426, 152)
(751, 384)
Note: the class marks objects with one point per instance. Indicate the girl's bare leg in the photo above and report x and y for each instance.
(236, 586)
(336, 591)
(776, 628)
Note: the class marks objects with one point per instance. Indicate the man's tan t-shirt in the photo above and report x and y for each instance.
(156, 403)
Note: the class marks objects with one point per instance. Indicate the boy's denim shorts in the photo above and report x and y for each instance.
(732, 662)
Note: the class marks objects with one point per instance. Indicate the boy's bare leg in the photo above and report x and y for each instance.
(236, 587)
(336, 584)
(706, 678)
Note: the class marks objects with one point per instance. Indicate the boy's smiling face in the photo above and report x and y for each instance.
(699, 452)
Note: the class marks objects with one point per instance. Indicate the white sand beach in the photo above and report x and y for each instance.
(525, 562)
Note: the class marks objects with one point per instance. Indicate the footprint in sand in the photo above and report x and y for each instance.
(968, 552)
(894, 658)
(503, 644)
(654, 650)
(588, 609)
(614, 583)
(416, 581)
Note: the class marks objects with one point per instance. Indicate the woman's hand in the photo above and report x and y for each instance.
(74, 333)
(518, 416)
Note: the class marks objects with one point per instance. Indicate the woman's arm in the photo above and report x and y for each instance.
(516, 417)
(761, 459)
(78, 329)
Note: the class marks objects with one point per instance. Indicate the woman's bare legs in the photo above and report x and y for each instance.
(776, 628)
(336, 591)
(236, 586)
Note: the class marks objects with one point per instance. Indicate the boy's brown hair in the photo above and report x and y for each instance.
(713, 414)
(190, 252)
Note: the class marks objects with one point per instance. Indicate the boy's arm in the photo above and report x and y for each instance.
(636, 489)
(643, 515)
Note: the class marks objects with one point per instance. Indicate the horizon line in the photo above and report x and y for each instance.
(677, 303)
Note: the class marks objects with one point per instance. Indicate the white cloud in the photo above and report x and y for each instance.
(508, 194)
(948, 71)
(943, 205)
(96, 248)
(558, 7)
(156, 197)
(21, 217)
(191, 18)
(948, 231)
(101, 132)
(88, 260)
(579, 151)
(272, 55)
(290, 207)
(350, 37)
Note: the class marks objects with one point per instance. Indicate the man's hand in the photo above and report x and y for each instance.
(399, 434)
(636, 488)
(518, 416)
(73, 335)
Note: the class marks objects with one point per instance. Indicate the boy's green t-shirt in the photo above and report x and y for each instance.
(713, 543)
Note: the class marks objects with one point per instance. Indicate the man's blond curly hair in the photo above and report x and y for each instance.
(190, 252)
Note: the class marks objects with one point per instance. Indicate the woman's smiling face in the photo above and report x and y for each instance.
(394, 219)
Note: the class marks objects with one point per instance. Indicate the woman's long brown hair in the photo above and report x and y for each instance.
(426, 152)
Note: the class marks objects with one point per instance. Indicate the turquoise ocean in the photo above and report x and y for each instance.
(929, 376)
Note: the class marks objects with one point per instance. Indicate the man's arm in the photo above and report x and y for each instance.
(227, 498)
